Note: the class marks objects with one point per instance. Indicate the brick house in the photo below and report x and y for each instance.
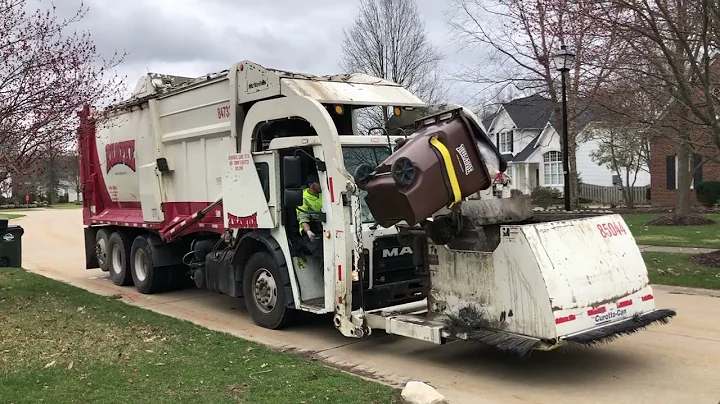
(664, 158)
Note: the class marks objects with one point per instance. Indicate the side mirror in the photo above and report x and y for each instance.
(292, 172)
(293, 198)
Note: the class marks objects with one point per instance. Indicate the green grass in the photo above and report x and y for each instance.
(10, 216)
(674, 236)
(675, 269)
(61, 344)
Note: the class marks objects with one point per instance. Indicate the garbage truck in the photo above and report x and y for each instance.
(198, 181)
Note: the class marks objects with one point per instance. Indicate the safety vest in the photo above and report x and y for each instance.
(311, 205)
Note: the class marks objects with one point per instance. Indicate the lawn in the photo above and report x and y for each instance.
(677, 270)
(675, 236)
(10, 216)
(61, 344)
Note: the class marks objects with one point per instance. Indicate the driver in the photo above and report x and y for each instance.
(307, 215)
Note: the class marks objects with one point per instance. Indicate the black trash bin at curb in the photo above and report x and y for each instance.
(10, 244)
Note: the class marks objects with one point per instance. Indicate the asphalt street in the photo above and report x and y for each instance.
(675, 363)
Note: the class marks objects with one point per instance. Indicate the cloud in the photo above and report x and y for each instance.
(194, 37)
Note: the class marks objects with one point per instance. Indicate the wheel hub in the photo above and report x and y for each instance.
(141, 264)
(117, 264)
(265, 291)
(100, 252)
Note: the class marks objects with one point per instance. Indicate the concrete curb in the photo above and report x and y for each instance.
(681, 290)
(676, 250)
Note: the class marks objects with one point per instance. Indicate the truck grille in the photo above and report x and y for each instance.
(392, 262)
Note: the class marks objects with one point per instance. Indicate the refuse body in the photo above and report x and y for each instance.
(447, 158)
(10, 244)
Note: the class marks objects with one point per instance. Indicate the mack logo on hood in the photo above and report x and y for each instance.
(396, 252)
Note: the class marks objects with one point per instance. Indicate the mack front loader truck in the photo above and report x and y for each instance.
(197, 181)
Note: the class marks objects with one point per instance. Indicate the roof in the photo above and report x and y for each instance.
(527, 151)
(581, 121)
(531, 112)
(487, 121)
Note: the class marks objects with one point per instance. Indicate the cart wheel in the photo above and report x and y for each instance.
(403, 172)
(362, 175)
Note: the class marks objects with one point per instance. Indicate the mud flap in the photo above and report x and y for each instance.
(91, 261)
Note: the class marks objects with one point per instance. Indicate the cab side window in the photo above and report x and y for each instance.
(263, 171)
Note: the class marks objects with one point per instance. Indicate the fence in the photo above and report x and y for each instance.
(613, 195)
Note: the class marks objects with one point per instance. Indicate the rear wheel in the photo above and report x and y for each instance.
(118, 256)
(263, 292)
(101, 249)
(148, 278)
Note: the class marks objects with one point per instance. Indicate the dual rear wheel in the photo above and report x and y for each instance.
(131, 262)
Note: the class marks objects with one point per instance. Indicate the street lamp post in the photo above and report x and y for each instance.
(563, 62)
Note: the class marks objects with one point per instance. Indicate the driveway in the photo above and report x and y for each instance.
(676, 363)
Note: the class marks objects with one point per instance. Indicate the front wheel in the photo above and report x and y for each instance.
(263, 292)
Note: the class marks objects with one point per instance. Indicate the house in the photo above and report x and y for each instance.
(664, 155)
(525, 128)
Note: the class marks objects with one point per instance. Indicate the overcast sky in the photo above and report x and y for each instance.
(194, 37)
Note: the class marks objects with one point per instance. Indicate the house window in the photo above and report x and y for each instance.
(552, 166)
(672, 170)
(505, 142)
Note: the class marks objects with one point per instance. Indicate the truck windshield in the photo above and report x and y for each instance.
(354, 156)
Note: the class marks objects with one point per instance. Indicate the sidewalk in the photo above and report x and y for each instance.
(679, 250)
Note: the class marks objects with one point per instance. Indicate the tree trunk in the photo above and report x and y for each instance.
(683, 183)
(627, 190)
(574, 182)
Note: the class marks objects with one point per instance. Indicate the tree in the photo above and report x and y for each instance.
(47, 73)
(674, 45)
(72, 173)
(388, 40)
(624, 149)
(517, 39)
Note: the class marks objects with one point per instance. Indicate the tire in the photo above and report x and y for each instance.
(118, 258)
(148, 278)
(101, 249)
(271, 311)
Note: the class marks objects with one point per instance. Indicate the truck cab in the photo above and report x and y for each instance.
(390, 275)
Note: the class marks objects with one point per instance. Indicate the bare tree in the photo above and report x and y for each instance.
(72, 173)
(517, 39)
(47, 73)
(624, 149)
(388, 40)
(674, 44)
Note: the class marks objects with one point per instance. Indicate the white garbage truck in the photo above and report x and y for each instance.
(197, 181)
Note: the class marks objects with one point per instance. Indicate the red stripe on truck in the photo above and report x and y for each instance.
(339, 272)
(597, 311)
(561, 320)
(332, 190)
(647, 297)
(624, 303)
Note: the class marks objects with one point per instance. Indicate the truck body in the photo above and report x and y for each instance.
(197, 180)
